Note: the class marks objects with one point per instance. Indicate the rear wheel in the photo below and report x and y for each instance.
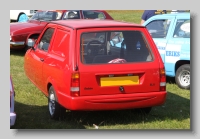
(182, 77)
(55, 109)
(146, 110)
(26, 48)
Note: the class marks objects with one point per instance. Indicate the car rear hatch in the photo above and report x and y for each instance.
(123, 64)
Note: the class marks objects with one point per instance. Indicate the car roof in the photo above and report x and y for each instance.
(72, 10)
(89, 23)
(172, 14)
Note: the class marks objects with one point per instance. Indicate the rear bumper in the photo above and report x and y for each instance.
(113, 102)
(12, 118)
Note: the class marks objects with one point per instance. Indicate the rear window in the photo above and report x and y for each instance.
(114, 47)
(93, 15)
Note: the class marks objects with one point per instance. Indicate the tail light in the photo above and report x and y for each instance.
(75, 84)
(162, 80)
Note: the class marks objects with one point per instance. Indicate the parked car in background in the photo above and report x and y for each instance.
(80, 72)
(15, 14)
(171, 34)
(12, 103)
(21, 32)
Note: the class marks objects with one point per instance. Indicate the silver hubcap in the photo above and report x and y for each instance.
(51, 103)
(184, 78)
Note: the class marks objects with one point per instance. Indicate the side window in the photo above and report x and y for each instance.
(101, 15)
(71, 15)
(93, 15)
(158, 28)
(61, 42)
(182, 29)
(46, 39)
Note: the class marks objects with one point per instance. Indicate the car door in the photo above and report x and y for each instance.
(38, 56)
(178, 46)
(160, 30)
(109, 69)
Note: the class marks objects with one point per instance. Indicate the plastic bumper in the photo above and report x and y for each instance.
(113, 102)
(16, 45)
(12, 119)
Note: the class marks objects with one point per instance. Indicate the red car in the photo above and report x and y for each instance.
(122, 69)
(20, 32)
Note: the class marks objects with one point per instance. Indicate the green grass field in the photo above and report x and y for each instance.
(32, 110)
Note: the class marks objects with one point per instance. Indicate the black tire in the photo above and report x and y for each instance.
(146, 110)
(18, 17)
(182, 77)
(56, 111)
(26, 48)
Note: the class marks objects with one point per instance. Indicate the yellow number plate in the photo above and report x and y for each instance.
(116, 81)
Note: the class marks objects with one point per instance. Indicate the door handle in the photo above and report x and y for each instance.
(42, 59)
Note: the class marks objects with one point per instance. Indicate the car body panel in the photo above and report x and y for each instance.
(91, 76)
(172, 50)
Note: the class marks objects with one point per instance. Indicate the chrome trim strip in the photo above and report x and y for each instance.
(17, 43)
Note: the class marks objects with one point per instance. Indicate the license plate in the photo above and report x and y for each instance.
(118, 81)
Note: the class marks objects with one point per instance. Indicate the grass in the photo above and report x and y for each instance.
(32, 110)
(132, 16)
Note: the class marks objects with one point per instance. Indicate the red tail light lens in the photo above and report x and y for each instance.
(162, 80)
(75, 83)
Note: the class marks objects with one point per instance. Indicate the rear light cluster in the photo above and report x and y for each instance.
(162, 80)
(75, 84)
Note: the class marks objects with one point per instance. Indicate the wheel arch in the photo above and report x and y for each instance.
(19, 15)
(180, 63)
(33, 35)
(51, 82)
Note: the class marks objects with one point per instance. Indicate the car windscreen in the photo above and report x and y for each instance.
(114, 47)
(46, 15)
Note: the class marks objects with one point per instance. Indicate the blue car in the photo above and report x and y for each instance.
(171, 34)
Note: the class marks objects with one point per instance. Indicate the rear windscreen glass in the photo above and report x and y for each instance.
(114, 47)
